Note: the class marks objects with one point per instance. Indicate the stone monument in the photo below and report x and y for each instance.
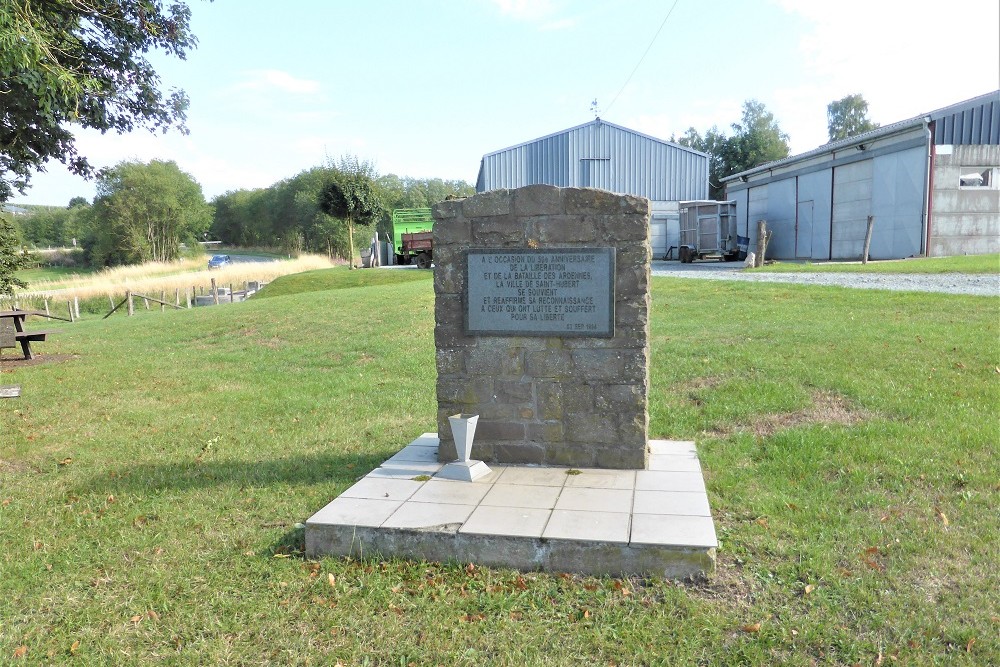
(542, 325)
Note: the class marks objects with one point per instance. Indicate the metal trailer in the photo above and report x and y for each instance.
(708, 229)
(412, 236)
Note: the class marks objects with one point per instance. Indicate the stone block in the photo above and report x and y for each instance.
(500, 430)
(465, 391)
(445, 210)
(549, 400)
(491, 358)
(591, 428)
(497, 232)
(620, 458)
(590, 201)
(576, 398)
(601, 364)
(519, 452)
(630, 204)
(566, 230)
(548, 431)
(454, 232)
(548, 364)
(568, 454)
(627, 398)
(535, 200)
(487, 204)
(450, 361)
(513, 391)
(449, 275)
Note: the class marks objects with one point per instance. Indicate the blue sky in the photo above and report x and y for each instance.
(424, 88)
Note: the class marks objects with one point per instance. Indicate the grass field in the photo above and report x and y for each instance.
(958, 264)
(153, 472)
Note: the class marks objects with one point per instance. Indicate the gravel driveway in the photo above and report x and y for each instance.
(951, 283)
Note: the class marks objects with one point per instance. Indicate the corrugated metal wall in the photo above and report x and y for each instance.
(969, 124)
(600, 155)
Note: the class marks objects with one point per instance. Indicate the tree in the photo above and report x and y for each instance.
(142, 212)
(82, 63)
(11, 258)
(848, 117)
(756, 139)
(352, 197)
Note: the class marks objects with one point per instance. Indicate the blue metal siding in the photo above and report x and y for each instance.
(617, 159)
(977, 123)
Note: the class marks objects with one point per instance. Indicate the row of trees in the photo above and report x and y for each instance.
(146, 211)
(300, 213)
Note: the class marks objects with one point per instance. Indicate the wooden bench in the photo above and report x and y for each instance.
(26, 338)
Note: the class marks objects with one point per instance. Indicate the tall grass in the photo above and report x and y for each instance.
(154, 278)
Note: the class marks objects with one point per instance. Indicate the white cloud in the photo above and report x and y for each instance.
(906, 57)
(276, 80)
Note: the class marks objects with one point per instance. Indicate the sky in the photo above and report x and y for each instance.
(424, 88)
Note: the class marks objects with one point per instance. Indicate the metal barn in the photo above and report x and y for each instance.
(931, 183)
(603, 155)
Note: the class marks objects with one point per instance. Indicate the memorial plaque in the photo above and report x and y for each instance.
(555, 292)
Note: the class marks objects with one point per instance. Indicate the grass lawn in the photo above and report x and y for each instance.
(53, 273)
(154, 469)
(959, 264)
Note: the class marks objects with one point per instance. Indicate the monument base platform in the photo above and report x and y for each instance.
(588, 521)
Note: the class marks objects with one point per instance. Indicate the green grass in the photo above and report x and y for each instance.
(52, 273)
(958, 264)
(150, 487)
(340, 278)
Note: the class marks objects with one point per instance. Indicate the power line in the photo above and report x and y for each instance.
(645, 53)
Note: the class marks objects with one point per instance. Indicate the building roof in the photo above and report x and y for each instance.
(598, 121)
(884, 131)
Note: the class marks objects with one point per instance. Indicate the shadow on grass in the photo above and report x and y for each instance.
(192, 475)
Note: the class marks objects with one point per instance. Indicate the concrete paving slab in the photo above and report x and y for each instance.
(522, 496)
(519, 521)
(383, 488)
(671, 502)
(356, 512)
(694, 531)
(588, 526)
(429, 516)
(674, 463)
(599, 522)
(534, 476)
(658, 480)
(595, 500)
(602, 479)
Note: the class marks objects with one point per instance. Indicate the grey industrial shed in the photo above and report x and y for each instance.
(931, 183)
(603, 155)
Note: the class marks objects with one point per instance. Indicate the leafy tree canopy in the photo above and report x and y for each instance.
(143, 212)
(352, 196)
(848, 117)
(756, 139)
(83, 63)
(11, 258)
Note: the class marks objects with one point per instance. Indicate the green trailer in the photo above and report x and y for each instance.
(412, 236)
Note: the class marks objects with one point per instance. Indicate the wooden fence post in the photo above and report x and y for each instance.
(177, 297)
(215, 293)
(69, 306)
(187, 295)
(111, 299)
(76, 306)
(131, 306)
(868, 238)
(47, 306)
(231, 297)
(163, 298)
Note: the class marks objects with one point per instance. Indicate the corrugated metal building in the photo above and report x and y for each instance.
(931, 182)
(602, 155)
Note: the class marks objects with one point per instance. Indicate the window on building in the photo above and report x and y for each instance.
(976, 177)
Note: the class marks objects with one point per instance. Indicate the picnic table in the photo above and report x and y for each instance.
(12, 330)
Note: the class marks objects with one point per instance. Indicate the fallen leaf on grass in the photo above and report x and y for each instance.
(809, 588)
(153, 615)
(751, 628)
(137, 619)
(75, 647)
(332, 579)
(282, 555)
(66, 461)
(472, 618)
(763, 522)
(520, 584)
(792, 506)
(6, 501)
(968, 647)
(20, 651)
(516, 615)
(942, 516)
